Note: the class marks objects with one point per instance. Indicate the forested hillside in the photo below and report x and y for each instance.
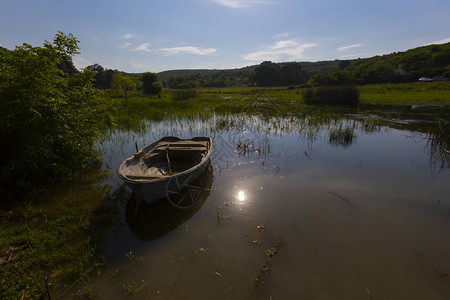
(408, 66)
(430, 61)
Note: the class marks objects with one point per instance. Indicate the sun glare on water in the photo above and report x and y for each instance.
(241, 197)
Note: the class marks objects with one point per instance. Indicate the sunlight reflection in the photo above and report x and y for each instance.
(241, 196)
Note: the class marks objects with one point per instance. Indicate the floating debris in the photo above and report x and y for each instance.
(345, 199)
(435, 267)
(204, 250)
(264, 268)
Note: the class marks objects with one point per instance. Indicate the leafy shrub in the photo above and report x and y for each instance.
(151, 83)
(48, 123)
(337, 95)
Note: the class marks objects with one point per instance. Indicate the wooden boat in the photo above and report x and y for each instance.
(166, 166)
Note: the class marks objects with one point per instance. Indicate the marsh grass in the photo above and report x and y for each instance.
(268, 102)
(438, 144)
(342, 136)
(131, 113)
(254, 92)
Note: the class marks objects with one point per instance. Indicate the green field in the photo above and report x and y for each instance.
(417, 93)
(431, 93)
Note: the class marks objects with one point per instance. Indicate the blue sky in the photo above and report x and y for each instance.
(159, 35)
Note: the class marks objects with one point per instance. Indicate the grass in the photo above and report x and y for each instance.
(254, 92)
(55, 239)
(267, 101)
(342, 136)
(438, 144)
(130, 113)
(416, 93)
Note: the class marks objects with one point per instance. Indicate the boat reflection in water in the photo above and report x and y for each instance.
(151, 221)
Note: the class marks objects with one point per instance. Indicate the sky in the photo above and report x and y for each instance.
(158, 35)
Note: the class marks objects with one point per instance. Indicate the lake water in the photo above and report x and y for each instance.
(348, 205)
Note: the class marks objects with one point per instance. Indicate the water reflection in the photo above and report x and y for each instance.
(150, 221)
(342, 136)
(241, 197)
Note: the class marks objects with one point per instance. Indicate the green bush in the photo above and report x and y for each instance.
(151, 83)
(335, 95)
(48, 123)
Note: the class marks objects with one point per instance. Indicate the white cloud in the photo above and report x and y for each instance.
(444, 41)
(282, 35)
(123, 46)
(127, 36)
(143, 47)
(349, 47)
(80, 62)
(285, 44)
(289, 50)
(238, 3)
(188, 49)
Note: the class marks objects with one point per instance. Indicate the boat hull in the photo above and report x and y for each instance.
(150, 192)
(152, 175)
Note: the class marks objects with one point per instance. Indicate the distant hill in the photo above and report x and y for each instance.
(312, 67)
(430, 61)
(407, 66)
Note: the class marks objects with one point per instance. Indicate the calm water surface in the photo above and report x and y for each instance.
(348, 207)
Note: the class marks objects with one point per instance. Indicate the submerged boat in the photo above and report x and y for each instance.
(166, 166)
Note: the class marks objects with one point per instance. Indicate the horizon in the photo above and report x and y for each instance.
(137, 37)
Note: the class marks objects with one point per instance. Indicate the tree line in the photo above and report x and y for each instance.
(149, 83)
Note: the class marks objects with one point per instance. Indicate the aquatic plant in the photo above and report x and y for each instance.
(438, 144)
(343, 136)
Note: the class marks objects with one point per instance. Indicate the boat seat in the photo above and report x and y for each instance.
(181, 148)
